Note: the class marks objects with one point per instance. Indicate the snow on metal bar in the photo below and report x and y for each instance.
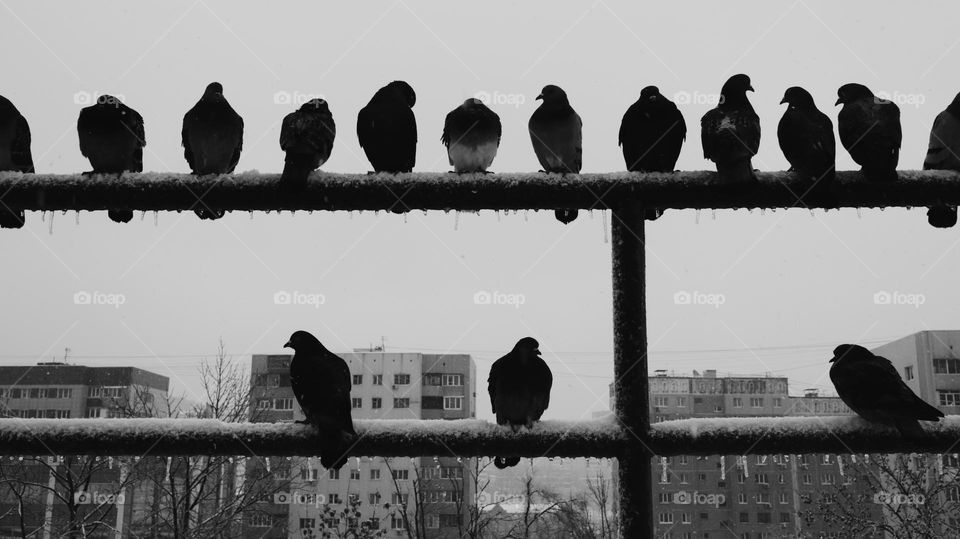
(448, 191)
(468, 437)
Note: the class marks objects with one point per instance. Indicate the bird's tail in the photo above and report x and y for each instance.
(296, 168)
(884, 174)
(120, 216)
(566, 216)
(207, 213)
(942, 216)
(505, 462)
(736, 173)
(11, 218)
(909, 428)
(334, 450)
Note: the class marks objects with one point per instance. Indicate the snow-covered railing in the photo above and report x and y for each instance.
(447, 191)
(471, 437)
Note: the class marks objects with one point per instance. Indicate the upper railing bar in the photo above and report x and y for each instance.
(448, 191)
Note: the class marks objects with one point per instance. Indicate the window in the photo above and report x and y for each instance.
(737, 402)
(666, 497)
(741, 498)
(451, 472)
(762, 478)
(781, 479)
(64, 393)
(308, 523)
(401, 475)
(825, 458)
(683, 477)
(741, 478)
(449, 521)
(763, 518)
(16, 393)
(93, 412)
(374, 498)
(375, 474)
(333, 497)
(334, 474)
(744, 517)
(308, 474)
(683, 459)
(951, 461)
(681, 402)
(357, 379)
(756, 402)
(433, 521)
(262, 404)
(259, 520)
(453, 379)
(429, 402)
(283, 404)
(401, 379)
(666, 518)
(953, 494)
(807, 479)
(949, 398)
(717, 408)
(685, 518)
(401, 403)
(662, 401)
(783, 497)
(376, 403)
(946, 366)
(828, 478)
(763, 498)
(356, 402)
(778, 402)
(453, 403)
(432, 379)
(354, 475)
(761, 460)
(396, 523)
(908, 372)
(377, 380)
(784, 518)
(396, 499)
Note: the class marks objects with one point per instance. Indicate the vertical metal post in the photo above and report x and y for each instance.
(631, 386)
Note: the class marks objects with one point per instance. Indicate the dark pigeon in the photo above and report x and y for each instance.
(944, 154)
(871, 386)
(651, 133)
(556, 131)
(870, 131)
(321, 383)
(806, 138)
(15, 155)
(212, 139)
(730, 133)
(471, 133)
(307, 138)
(387, 128)
(112, 138)
(519, 387)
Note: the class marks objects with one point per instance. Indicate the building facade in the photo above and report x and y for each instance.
(429, 493)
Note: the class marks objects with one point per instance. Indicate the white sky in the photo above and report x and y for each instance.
(789, 279)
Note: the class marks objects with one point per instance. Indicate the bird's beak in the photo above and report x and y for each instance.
(784, 100)
(839, 101)
(833, 359)
(537, 351)
(539, 97)
(750, 89)
(288, 345)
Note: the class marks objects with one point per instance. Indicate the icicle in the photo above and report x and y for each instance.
(110, 462)
(840, 465)
(156, 217)
(746, 470)
(526, 215)
(63, 212)
(696, 219)
(723, 468)
(858, 213)
(436, 459)
(358, 462)
(590, 213)
(713, 214)
(663, 469)
(77, 216)
(853, 459)
(498, 215)
(811, 213)
(763, 211)
(405, 220)
(251, 216)
(940, 465)
(606, 238)
(456, 221)
(143, 214)
(266, 462)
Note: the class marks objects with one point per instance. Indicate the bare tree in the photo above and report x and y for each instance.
(414, 524)
(479, 517)
(538, 505)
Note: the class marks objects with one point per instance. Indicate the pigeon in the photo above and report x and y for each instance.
(307, 137)
(872, 387)
(112, 138)
(321, 383)
(212, 139)
(870, 131)
(387, 128)
(944, 154)
(556, 133)
(471, 133)
(730, 133)
(651, 133)
(14, 155)
(519, 387)
(806, 138)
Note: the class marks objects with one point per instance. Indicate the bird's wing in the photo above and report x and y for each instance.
(496, 120)
(83, 122)
(447, 122)
(185, 138)
(341, 391)
(236, 152)
(20, 151)
(708, 131)
(889, 114)
(492, 382)
(944, 148)
(365, 124)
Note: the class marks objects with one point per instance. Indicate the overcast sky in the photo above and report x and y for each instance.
(792, 284)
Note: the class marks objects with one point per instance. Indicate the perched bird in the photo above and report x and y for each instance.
(651, 133)
(14, 155)
(519, 387)
(557, 135)
(307, 137)
(730, 133)
(112, 138)
(321, 383)
(387, 128)
(806, 138)
(212, 139)
(944, 154)
(870, 131)
(471, 134)
(872, 387)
